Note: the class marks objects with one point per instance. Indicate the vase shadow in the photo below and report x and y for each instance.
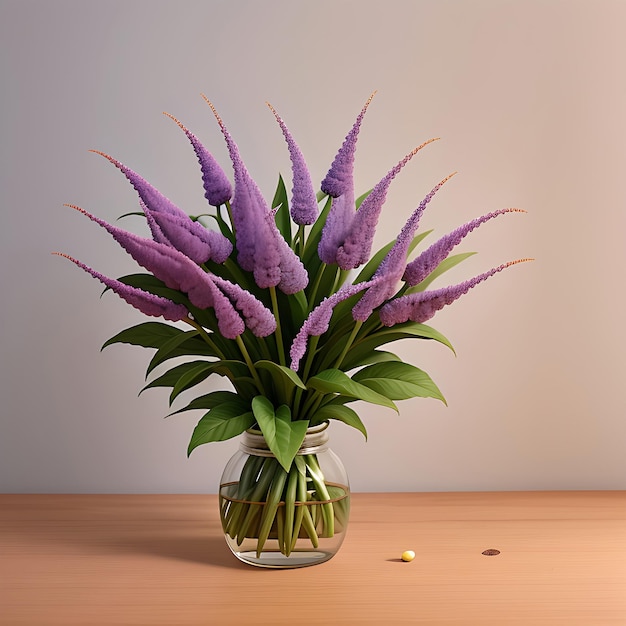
(194, 549)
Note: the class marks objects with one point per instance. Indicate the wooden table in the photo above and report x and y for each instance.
(161, 559)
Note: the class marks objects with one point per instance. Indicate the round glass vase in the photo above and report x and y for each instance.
(278, 519)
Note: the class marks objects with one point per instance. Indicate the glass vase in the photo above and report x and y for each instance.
(278, 519)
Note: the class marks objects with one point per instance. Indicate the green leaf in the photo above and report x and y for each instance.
(193, 377)
(211, 400)
(298, 309)
(362, 197)
(223, 422)
(336, 381)
(342, 413)
(374, 356)
(310, 259)
(282, 217)
(398, 381)
(283, 436)
(443, 267)
(148, 335)
(407, 330)
(201, 371)
(140, 213)
(172, 376)
(183, 344)
(281, 371)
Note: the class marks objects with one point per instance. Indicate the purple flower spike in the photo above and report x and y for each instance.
(421, 306)
(416, 271)
(319, 319)
(157, 233)
(217, 187)
(248, 205)
(303, 207)
(338, 222)
(151, 197)
(190, 237)
(258, 318)
(166, 263)
(147, 303)
(261, 248)
(392, 266)
(339, 179)
(357, 245)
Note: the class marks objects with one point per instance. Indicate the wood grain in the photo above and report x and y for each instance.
(161, 559)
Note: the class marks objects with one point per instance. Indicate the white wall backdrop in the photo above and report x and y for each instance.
(529, 99)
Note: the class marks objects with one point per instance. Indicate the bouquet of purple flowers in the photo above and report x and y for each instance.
(273, 303)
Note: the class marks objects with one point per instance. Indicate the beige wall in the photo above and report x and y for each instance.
(529, 98)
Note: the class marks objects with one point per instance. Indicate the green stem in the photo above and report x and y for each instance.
(250, 364)
(301, 239)
(279, 334)
(305, 374)
(316, 284)
(203, 333)
(348, 343)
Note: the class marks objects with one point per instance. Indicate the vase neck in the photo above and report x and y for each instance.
(315, 440)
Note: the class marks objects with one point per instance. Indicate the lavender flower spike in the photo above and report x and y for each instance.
(339, 179)
(260, 246)
(338, 222)
(155, 229)
(303, 207)
(191, 238)
(416, 271)
(248, 205)
(258, 318)
(421, 306)
(357, 245)
(217, 187)
(392, 266)
(319, 319)
(147, 303)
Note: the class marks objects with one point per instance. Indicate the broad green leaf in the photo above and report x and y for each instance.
(342, 413)
(336, 381)
(183, 344)
(285, 373)
(443, 267)
(282, 217)
(211, 400)
(223, 422)
(375, 356)
(201, 372)
(172, 376)
(148, 335)
(193, 377)
(398, 381)
(283, 436)
(407, 330)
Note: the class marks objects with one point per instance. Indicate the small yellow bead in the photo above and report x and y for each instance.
(408, 555)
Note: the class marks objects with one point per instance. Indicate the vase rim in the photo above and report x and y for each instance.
(315, 440)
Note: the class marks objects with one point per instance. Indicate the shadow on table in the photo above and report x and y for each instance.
(194, 549)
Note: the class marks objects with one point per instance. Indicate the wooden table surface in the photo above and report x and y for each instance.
(161, 559)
